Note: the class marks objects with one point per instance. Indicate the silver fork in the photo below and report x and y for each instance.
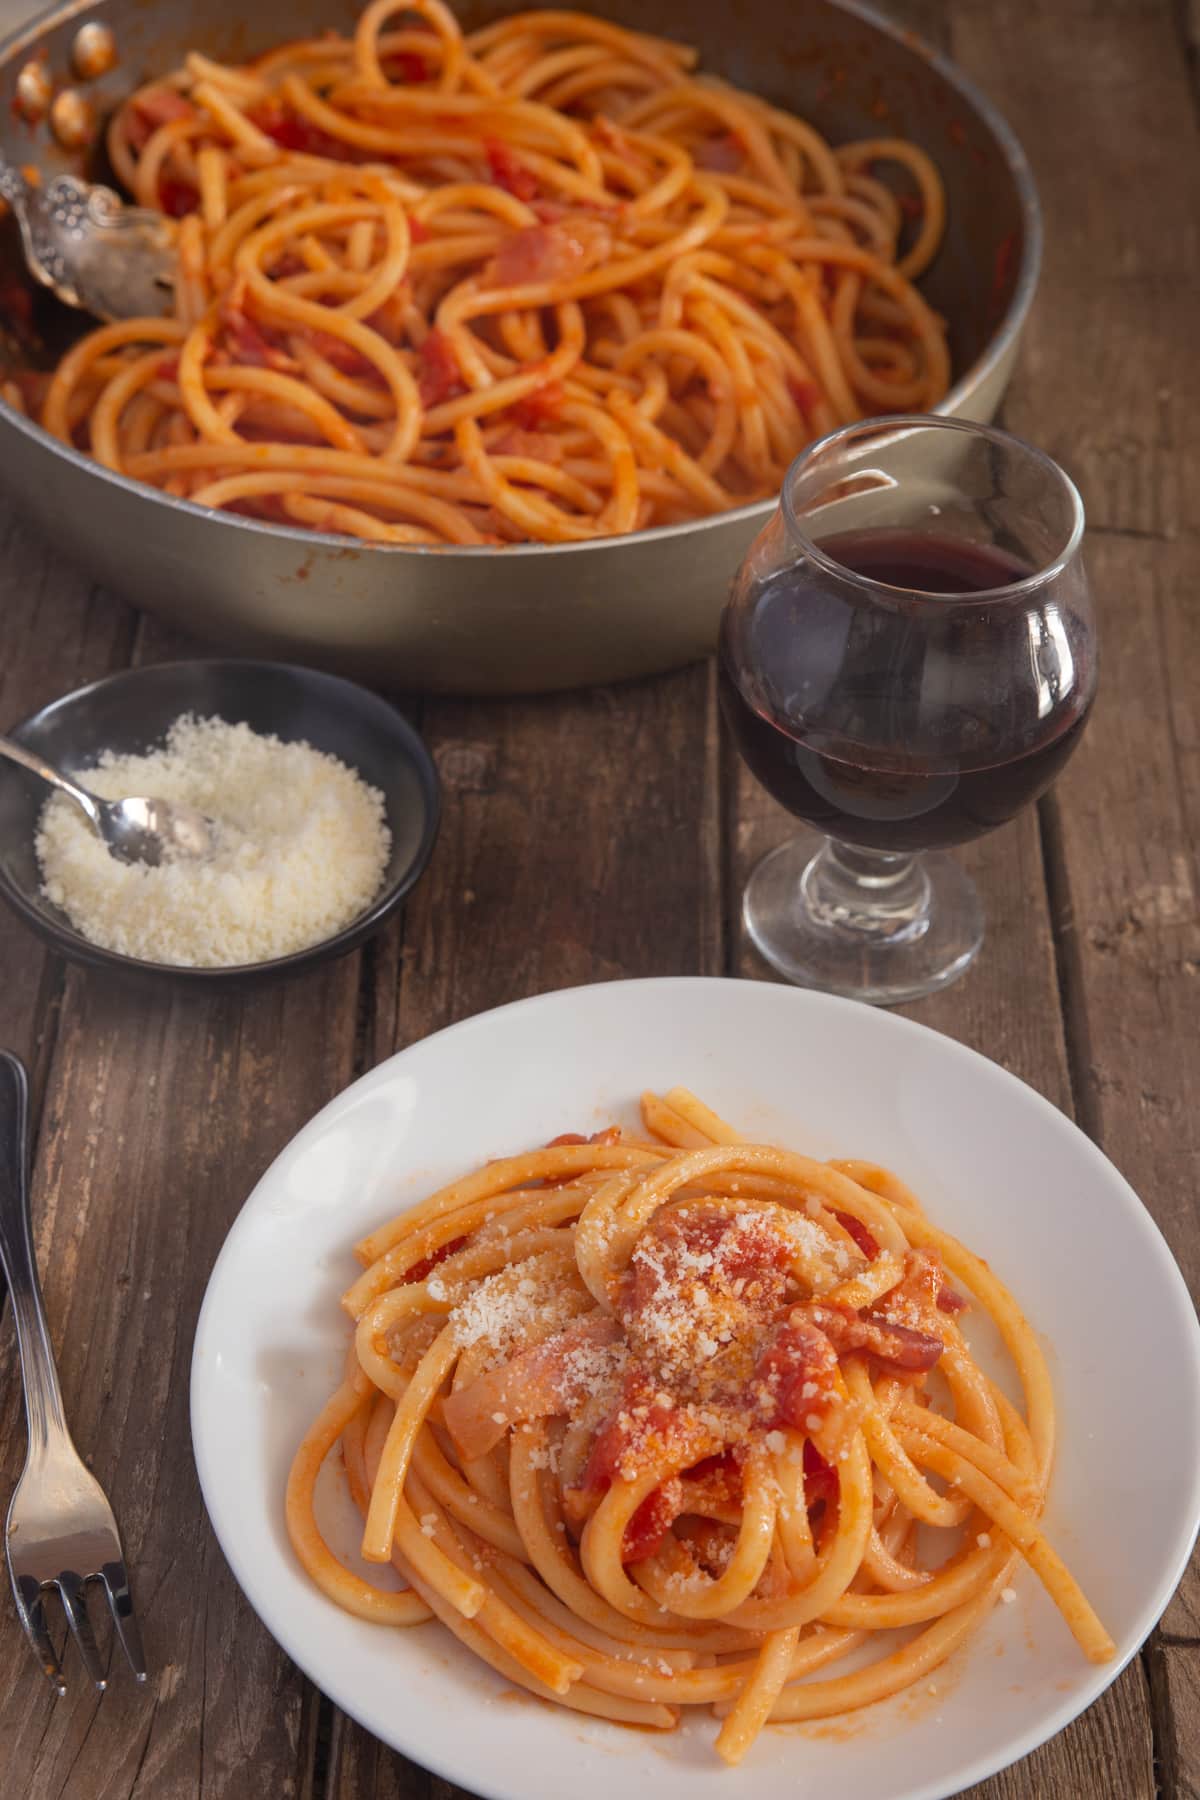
(61, 1531)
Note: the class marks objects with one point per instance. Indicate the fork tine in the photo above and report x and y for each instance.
(120, 1605)
(32, 1615)
(70, 1590)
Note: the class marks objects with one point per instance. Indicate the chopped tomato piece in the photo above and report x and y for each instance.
(950, 1300)
(248, 344)
(796, 1374)
(405, 65)
(344, 356)
(692, 1245)
(859, 1233)
(508, 171)
(439, 377)
(541, 446)
(539, 406)
(418, 231)
(291, 132)
(642, 1427)
(610, 1135)
(806, 394)
(652, 1521)
(426, 1266)
(720, 155)
(177, 198)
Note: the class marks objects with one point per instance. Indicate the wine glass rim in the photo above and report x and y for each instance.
(901, 422)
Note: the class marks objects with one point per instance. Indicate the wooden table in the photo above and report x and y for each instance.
(607, 834)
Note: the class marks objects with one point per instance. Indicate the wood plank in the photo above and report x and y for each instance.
(1006, 1005)
(1175, 1686)
(1070, 1764)
(244, 1679)
(59, 632)
(1126, 832)
(579, 844)
(161, 1111)
(363, 1766)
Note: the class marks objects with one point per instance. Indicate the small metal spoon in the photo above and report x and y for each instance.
(95, 252)
(139, 829)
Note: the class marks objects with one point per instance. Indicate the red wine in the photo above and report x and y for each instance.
(915, 719)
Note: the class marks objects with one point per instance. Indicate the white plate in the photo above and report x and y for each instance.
(994, 1162)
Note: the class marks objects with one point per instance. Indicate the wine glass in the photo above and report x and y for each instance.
(908, 658)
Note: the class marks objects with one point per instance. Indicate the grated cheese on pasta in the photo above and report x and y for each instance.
(301, 848)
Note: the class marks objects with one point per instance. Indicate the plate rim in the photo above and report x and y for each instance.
(1058, 1717)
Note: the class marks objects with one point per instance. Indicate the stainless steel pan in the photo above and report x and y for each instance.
(529, 617)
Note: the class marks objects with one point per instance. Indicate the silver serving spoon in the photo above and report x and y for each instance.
(95, 252)
(139, 829)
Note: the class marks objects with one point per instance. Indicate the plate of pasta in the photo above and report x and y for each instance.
(707, 1358)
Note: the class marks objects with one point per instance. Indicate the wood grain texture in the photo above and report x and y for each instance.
(1175, 1687)
(57, 633)
(1091, 1759)
(160, 1112)
(1006, 1005)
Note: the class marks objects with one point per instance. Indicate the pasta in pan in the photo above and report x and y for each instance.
(545, 282)
(656, 1422)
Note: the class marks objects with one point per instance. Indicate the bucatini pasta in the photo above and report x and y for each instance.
(653, 1422)
(542, 282)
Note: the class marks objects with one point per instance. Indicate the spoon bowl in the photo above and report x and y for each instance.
(143, 829)
(137, 829)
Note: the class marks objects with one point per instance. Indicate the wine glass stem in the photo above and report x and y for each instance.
(874, 894)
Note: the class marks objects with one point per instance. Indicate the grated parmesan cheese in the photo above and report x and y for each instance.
(512, 1310)
(301, 850)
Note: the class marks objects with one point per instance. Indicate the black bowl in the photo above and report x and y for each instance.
(130, 713)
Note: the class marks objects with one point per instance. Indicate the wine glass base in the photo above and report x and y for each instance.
(919, 937)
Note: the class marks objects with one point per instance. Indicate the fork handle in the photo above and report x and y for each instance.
(43, 1397)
